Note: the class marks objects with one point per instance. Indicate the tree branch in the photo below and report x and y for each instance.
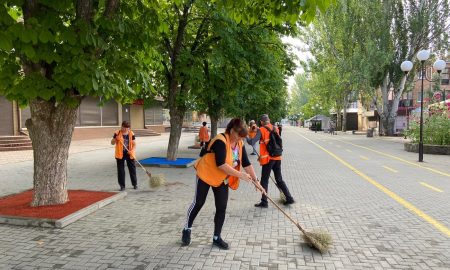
(84, 10)
(112, 6)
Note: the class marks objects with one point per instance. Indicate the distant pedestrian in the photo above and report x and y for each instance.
(280, 128)
(253, 135)
(121, 138)
(203, 134)
(220, 169)
(332, 127)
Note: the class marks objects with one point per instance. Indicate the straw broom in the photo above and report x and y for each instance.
(282, 196)
(318, 239)
(156, 180)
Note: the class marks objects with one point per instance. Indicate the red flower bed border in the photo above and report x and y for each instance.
(18, 205)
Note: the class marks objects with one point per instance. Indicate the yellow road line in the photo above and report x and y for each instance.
(441, 227)
(348, 150)
(390, 169)
(431, 187)
(397, 158)
(364, 157)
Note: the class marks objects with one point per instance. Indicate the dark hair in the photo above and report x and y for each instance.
(126, 124)
(238, 126)
(204, 123)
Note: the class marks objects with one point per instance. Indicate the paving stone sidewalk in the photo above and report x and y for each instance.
(142, 231)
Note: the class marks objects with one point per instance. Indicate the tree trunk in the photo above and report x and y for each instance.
(214, 125)
(344, 119)
(176, 124)
(391, 125)
(50, 128)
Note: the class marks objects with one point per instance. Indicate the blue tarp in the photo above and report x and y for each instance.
(163, 162)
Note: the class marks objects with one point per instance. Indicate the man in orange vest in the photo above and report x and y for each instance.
(253, 135)
(270, 163)
(125, 142)
(203, 134)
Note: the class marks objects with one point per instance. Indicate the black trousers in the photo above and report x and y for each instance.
(220, 198)
(121, 170)
(275, 166)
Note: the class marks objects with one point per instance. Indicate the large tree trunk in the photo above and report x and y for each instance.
(388, 112)
(344, 119)
(176, 124)
(50, 128)
(214, 125)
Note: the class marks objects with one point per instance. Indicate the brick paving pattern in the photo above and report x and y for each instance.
(142, 231)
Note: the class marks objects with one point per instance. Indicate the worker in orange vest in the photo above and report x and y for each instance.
(121, 138)
(253, 135)
(203, 134)
(220, 169)
(270, 163)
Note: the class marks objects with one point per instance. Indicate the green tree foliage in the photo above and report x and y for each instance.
(54, 53)
(189, 34)
(365, 43)
(300, 94)
(335, 41)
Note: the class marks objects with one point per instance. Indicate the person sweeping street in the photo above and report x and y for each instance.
(270, 150)
(219, 169)
(121, 138)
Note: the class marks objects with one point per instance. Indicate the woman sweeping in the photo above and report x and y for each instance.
(219, 168)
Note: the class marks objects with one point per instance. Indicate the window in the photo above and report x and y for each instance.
(154, 115)
(445, 77)
(89, 113)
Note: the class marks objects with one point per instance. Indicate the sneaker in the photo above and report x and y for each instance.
(261, 204)
(122, 188)
(288, 202)
(135, 187)
(220, 243)
(186, 237)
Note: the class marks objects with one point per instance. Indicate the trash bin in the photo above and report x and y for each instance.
(370, 132)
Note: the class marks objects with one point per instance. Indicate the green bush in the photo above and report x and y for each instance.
(436, 130)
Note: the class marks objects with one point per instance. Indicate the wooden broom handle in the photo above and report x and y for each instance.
(148, 173)
(271, 178)
(258, 186)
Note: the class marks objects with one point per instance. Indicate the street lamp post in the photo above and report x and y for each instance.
(406, 67)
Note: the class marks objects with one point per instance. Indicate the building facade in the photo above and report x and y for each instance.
(97, 118)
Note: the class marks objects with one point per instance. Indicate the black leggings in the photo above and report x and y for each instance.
(275, 166)
(221, 199)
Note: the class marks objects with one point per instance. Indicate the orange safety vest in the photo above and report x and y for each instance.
(264, 154)
(207, 169)
(119, 145)
(203, 134)
(252, 132)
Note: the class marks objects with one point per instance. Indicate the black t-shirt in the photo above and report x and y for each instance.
(126, 139)
(219, 149)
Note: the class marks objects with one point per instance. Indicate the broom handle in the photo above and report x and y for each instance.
(271, 178)
(147, 172)
(258, 186)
